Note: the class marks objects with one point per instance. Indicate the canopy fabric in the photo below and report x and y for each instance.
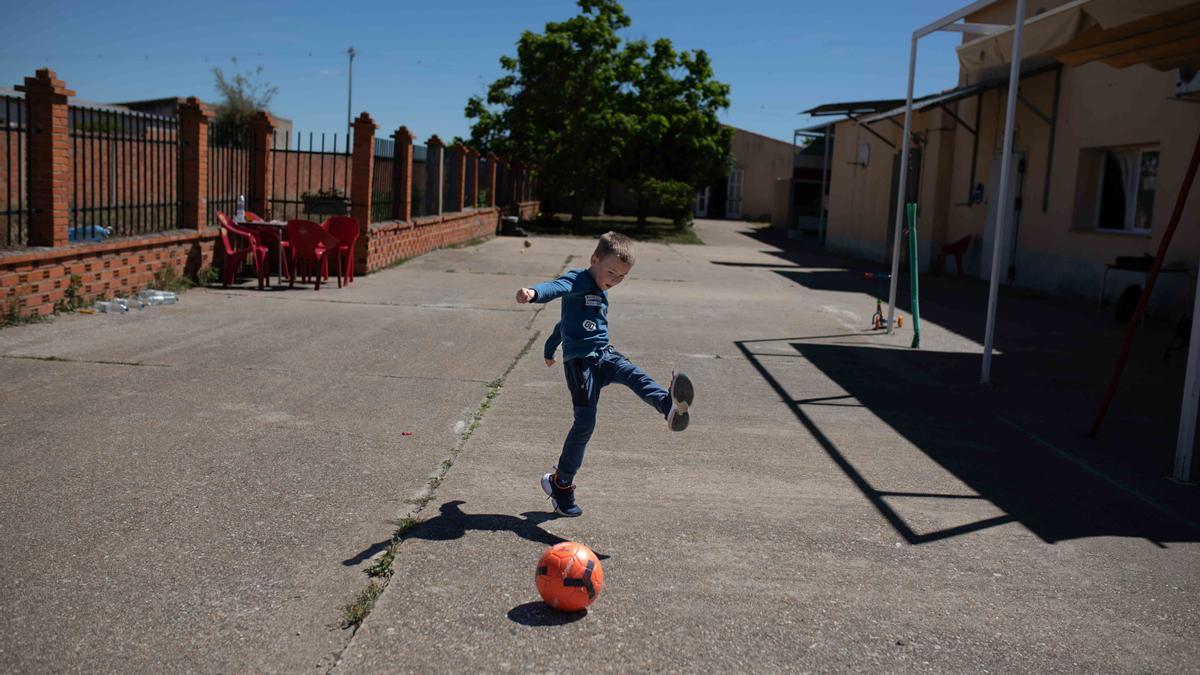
(1128, 32)
(1159, 32)
(1110, 13)
(1044, 32)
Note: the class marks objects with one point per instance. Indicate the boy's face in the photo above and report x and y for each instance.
(608, 271)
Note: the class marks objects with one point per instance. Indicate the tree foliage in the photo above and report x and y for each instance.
(242, 95)
(580, 108)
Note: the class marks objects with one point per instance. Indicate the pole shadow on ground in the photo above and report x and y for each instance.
(930, 400)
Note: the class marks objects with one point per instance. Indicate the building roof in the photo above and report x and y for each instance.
(854, 107)
(956, 94)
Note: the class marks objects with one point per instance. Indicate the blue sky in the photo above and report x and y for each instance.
(418, 62)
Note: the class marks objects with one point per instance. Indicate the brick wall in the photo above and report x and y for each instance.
(397, 240)
(34, 280)
(528, 210)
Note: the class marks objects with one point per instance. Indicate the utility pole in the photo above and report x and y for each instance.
(349, 96)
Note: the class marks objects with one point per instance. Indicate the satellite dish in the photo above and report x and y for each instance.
(864, 153)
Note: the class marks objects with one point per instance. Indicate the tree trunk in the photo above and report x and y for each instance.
(643, 210)
(577, 204)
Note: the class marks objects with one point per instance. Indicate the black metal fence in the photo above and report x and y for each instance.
(382, 197)
(471, 199)
(125, 173)
(230, 158)
(310, 176)
(14, 211)
(420, 181)
(503, 184)
(483, 188)
(450, 181)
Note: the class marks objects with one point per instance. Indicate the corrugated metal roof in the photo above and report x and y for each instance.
(956, 94)
(853, 107)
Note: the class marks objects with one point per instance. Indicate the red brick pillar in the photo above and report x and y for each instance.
(362, 166)
(193, 163)
(402, 175)
(435, 155)
(473, 185)
(262, 129)
(459, 152)
(362, 169)
(490, 180)
(49, 158)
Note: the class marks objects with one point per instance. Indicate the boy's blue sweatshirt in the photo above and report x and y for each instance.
(583, 328)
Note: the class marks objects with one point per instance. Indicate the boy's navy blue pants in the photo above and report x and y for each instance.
(585, 378)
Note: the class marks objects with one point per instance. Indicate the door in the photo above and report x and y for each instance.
(700, 208)
(989, 227)
(733, 197)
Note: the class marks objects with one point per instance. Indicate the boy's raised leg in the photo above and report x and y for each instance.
(682, 395)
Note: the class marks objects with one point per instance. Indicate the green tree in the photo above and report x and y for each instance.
(677, 144)
(558, 110)
(242, 96)
(581, 108)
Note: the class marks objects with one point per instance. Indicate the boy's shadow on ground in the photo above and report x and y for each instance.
(452, 523)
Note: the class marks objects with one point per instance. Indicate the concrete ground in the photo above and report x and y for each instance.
(202, 486)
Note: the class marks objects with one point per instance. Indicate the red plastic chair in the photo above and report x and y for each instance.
(311, 247)
(345, 229)
(239, 243)
(269, 236)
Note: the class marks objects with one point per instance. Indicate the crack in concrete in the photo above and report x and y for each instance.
(100, 362)
(427, 494)
(422, 305)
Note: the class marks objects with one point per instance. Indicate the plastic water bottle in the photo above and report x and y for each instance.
(152, 296)
(106, 307)
(240, 214)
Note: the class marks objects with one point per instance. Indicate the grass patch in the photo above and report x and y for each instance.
(12, 316)
(383, 566)
(358, 609)
(167, 278)
(657, 230)
(207, 276)
(475, 241)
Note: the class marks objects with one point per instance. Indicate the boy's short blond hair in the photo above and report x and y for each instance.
(614, 243)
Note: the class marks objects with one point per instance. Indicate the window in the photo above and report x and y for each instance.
(1128, 180)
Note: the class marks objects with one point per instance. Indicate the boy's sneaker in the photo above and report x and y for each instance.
(681, 397)
(561, 498)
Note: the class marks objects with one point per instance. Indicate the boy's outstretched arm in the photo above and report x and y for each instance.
(549, 290)
(552, 342)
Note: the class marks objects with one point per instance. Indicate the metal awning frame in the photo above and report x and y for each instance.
(950, 22)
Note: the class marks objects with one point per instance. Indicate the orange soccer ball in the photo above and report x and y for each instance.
(569, 576)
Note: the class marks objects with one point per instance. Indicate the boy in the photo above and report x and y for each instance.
(591, 363)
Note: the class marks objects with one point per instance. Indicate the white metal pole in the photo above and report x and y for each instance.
(903, 189)
(349, 96)
(825, 182)
(1191, 395)
(1003, 207)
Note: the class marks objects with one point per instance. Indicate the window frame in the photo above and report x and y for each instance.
(1131, 212)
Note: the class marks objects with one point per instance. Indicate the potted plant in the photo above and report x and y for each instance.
(326, 202)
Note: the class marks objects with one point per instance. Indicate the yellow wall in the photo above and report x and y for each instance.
(763, 160)
(1099, 107)
(859, 208)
